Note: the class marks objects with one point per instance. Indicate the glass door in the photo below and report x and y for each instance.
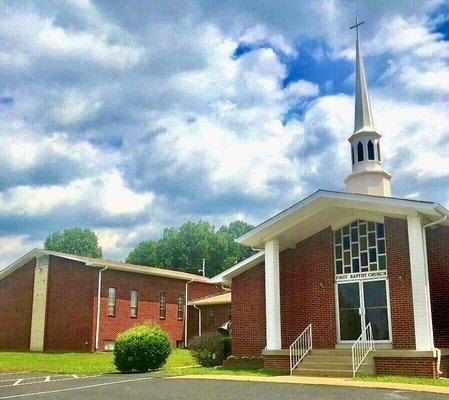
(360, 303)
(349, 310)
(376, 308)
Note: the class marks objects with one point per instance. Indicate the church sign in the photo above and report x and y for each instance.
(361, 275)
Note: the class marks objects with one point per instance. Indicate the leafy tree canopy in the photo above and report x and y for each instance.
(80, 241)
(184, 248)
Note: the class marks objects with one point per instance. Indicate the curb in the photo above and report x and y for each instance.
(321, 381)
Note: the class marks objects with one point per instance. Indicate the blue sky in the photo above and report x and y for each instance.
(128, 117)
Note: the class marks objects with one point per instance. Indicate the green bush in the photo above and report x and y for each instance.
(142, 348)
(210, 349)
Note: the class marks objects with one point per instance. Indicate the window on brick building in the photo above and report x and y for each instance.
(360, 247)
(210, 317)
(162, 306)
(112, 294)
(134, 302)
(180, 306)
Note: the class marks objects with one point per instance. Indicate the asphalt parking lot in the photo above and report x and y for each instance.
(146, 386)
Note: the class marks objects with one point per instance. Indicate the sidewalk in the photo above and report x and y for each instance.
(323, 381)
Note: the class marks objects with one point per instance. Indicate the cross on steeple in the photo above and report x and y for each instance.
(356, 26)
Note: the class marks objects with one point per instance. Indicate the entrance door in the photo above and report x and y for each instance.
(360, 303)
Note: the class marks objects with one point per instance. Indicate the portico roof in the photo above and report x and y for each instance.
(320, 210)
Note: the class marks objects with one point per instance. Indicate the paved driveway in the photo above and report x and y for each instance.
(145, 386)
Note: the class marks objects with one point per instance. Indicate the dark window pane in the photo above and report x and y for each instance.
(375, 294)
(359, 152)
(373, 267)
(348, 269)
(370, 150)
(347, 258)
(380, 230)
(354, 224)
(346, 243)
(364, 259)
(371, 226)
(371, 239)
(337, 237)
(363, 245)
(339, 267)
(355, 249)
(354, 235)
(350, 325)
(348, 296)
(337, 251)
(362, 228)
(346, 230)
(382, 262)
(372, 255)
(355, 265)
(379, 323)
(381, 246)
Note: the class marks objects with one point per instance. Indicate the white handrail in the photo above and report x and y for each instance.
(362, 346)
(300, 347)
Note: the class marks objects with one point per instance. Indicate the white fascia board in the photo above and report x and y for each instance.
(248, 239)
(226, 276)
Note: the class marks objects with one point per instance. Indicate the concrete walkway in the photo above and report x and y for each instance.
(323, 381)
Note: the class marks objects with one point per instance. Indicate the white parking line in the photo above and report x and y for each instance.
(20, 382)
(75, 388)
(29, 377)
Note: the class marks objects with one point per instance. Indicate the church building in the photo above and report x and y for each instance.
(347, 283)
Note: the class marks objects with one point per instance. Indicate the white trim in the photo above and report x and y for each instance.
(272, 296)
(420, 285)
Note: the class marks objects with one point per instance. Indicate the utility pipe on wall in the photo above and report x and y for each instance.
(199, 319)
(186, 312)
(97, 331)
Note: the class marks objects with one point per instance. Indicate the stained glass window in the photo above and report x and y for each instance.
(360, 247)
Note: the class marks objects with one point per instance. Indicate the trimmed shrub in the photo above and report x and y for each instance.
(142, 348)
(210, 349)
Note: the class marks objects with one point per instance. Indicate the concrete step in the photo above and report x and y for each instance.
(323, 372)
(327, 359)
(324, 365)
(331, 352)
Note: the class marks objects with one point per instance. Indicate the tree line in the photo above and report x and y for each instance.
(181, 248)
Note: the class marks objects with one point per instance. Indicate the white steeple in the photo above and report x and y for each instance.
(368, 176)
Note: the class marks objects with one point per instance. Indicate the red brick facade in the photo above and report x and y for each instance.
(71, 313)
(438, 261)
(16, 297)
(68, 322)
(308, 291)
(220, 314)
(400, 283)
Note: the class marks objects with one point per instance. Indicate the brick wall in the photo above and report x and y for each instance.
(68, 324)
(248, 312)
(307, 290)
(16, 297)
(422, 366)
(149, 289)
(278, 362)
(438, 262)
(400, 283)
(220, 317)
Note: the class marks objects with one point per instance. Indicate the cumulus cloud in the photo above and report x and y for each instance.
(131, 119)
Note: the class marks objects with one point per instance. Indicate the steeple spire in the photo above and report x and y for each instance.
(363, 116)
(368, 176)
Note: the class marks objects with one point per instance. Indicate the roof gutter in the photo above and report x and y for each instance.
(97, 331)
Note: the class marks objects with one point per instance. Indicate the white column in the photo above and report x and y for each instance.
(272, 295)
(420, 285)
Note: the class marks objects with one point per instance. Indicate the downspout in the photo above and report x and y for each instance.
(186, 312)
(199, 319)
(444, 218)
(97, 331)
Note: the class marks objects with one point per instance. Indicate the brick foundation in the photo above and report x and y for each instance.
(277, 362)
(422, 366)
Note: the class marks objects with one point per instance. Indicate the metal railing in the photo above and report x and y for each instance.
(362, 346)
(300, 347)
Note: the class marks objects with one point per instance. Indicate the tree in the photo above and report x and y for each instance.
(80, 241)
(144, 253)
(184, 248)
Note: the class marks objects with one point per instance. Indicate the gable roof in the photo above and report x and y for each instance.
(323, 202)
(101, 263)
(223, 298)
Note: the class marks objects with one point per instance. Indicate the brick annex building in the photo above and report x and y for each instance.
(49, 301)
(347, 269)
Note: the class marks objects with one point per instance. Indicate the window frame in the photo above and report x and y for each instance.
(162, 305)
(114, 305)
(134, 307)
(180, 310)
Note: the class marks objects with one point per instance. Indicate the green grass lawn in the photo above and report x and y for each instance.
(75, 363)
(416, 380)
